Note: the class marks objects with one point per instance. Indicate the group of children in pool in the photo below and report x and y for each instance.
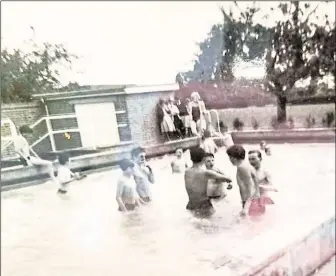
(204, 182)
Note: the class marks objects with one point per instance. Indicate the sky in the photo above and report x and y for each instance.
(117, 42)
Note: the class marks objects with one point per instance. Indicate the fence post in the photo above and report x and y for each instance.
(51, 134)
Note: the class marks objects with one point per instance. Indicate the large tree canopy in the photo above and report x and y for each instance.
(24, 74)
(299, 46)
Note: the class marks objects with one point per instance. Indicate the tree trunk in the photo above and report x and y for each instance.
(281, 109)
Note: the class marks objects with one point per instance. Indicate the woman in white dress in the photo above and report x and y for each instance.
(165, 119)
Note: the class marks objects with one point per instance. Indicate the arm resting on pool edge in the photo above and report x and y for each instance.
(151, 175)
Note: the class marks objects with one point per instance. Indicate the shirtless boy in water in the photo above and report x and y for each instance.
(247, 182)
(263, 176)
(215, 188)
(126, 195)
(143, 174)
(179, 165)
(196, 182)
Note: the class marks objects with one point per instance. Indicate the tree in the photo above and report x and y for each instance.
(24, 74)
(298, 48)
(224, 44)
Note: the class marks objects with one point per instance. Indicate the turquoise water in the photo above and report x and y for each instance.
(83, 234)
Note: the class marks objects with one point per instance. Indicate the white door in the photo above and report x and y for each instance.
(97, 124)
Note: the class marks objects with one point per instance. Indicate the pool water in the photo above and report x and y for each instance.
(84, 234)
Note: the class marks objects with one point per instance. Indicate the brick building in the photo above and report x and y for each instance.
(89, 118)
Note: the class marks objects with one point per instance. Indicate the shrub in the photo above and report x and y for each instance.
(238, 124)
(310, 121)
(255, 123)
(328, 119)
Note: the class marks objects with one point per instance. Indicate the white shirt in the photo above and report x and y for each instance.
(64, 175)
(21, 145)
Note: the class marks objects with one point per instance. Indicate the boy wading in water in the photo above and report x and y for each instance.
(179, 165)
(263, 176)
(65, 175)
(143, 174)
(247, 182)
(127, 196)
(196, 182)
(215, 188)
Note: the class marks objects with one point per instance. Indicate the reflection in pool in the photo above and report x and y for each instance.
(84, 234)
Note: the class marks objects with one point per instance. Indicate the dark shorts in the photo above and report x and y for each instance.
(129, 207)
(146, 199)
(216, 197)
(206, 204)
(62, 192)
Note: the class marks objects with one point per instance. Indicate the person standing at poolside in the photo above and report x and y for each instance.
(126, 195)
(263, 176)
(196, 109)
(196, 181)
(21, 147)
(215, 188)
(247, 182)
(143, 174)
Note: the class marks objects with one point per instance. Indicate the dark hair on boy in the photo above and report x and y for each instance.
(236, 151)
(25, 129)
(125, 164)
(197, 155)
(258, 152)
(63, 158)
(136, 151)
(208, 154)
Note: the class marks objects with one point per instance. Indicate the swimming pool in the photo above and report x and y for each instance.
(84, 234)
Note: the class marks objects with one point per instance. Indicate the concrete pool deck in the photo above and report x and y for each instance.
(289, 251)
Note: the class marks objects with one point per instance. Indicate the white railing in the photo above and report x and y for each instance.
(217, 118)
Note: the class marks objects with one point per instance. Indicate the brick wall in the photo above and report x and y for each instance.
(22, 114)
(142, 116)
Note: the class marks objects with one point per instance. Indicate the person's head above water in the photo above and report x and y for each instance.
(138, 155)
(197, 155)
(255, 157)
(25, 129)
(179, 152)
(236, 154)
(195, 96)
(209, 160)
(63, 159)
(126, 166)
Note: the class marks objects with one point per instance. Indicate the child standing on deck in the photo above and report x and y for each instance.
(65, 175)
(247, 182)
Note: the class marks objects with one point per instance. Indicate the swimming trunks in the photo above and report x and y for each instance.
(146, 199)
(257, 208)
(129, 207)
(206, 204)
(62, 192)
